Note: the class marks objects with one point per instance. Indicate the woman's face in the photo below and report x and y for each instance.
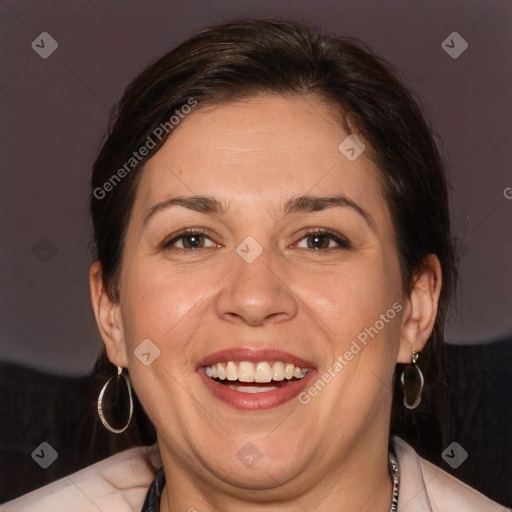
(291, 268)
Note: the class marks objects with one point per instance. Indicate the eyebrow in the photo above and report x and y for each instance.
(314, 204)
(202, 204)
(300, 204)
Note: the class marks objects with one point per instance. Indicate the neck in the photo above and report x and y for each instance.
(359, 482)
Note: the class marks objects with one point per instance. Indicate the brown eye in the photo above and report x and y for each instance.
(189, 240)
(317, 240)
(192, 241)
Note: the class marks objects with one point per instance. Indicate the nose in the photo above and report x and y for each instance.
(256, 293)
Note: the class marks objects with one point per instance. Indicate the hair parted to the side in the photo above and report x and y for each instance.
(244, 58)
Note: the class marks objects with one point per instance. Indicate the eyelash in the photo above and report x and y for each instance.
(342, 241)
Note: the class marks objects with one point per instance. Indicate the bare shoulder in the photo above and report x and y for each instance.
(119, 483)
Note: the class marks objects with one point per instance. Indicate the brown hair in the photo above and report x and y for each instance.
(244, 58)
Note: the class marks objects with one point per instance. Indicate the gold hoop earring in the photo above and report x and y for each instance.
(412, 383)
(100, 403)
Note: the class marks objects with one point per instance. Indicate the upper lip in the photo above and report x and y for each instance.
(254, 355)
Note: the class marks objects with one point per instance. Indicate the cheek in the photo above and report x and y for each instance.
(361, 308)
(350, 299)
(163, 305)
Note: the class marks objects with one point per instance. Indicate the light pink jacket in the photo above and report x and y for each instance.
(120, 483)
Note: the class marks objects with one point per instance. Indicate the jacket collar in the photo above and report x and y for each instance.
(413, 495)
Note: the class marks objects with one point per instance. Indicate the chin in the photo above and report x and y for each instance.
(258, 463)
(265, 474)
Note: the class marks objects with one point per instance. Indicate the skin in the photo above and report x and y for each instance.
(253, 156)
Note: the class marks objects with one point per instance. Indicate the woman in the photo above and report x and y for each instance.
(273, 255)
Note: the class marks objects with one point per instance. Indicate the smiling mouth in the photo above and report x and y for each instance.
(257, 377)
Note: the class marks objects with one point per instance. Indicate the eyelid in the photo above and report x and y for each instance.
(342, 241)
(167, 243)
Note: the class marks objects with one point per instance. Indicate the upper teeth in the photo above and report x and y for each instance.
(245, 371)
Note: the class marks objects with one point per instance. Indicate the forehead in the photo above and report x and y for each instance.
(257, 150)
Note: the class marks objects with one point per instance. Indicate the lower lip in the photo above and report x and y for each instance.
(256, 401)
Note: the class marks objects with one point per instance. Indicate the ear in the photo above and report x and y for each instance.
(108, 317)
(420, 309)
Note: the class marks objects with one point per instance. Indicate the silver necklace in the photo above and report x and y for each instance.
(395, 473)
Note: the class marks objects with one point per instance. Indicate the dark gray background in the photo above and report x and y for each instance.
(55, 113)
